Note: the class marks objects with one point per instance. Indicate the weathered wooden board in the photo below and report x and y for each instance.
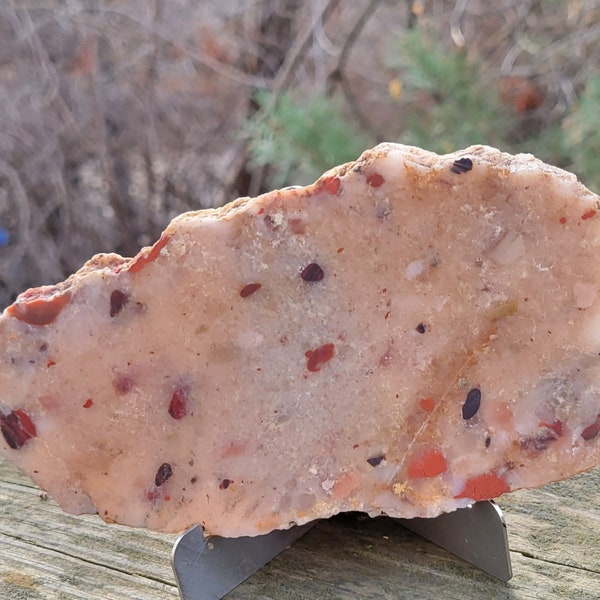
(45, 553)
(553, 533)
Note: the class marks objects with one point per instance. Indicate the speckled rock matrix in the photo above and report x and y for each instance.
(409, 334)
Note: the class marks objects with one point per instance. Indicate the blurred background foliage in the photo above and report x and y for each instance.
(116, 115)
(300, 137)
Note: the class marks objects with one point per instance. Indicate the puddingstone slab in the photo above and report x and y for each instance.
(408, 335)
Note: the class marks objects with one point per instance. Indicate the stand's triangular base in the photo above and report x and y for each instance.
(476, 534)
(209, 568)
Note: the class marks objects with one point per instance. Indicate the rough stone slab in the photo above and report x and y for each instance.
(409, 334)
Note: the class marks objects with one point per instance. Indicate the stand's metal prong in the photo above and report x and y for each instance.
(209, 568)
(476, 534)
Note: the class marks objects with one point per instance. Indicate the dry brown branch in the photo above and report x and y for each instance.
(283, 79)
(298, 49)
(340, 72)
(167, 35)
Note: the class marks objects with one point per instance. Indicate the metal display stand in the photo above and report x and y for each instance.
(476, 534)
(209, 568)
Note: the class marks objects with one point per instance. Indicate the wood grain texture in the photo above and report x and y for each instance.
(553, 534)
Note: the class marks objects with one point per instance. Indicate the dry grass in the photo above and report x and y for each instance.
(115, 115)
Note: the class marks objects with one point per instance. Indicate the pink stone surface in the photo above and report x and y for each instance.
(411, 333)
